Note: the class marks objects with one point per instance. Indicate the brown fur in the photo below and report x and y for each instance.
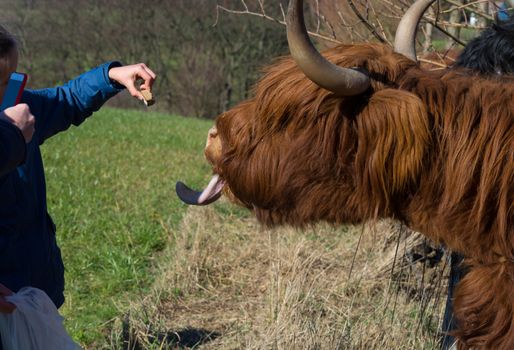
(433, 149)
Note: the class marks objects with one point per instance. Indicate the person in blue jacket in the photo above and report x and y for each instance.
(29, 255)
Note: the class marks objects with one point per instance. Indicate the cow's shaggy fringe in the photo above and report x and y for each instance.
(433, 149)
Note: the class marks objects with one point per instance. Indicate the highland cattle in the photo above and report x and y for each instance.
(363, 132)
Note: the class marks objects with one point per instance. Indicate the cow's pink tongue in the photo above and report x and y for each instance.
(211, 193)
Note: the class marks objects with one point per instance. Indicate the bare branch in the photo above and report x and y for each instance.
(263, 15)
(376, 17)
(379, 23)
(244, 4)
(318, 16)
(470, 8)
(454, 25)
(368, 25)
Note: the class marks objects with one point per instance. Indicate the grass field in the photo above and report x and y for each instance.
(227, 284)
(143, 271)
(111, 193)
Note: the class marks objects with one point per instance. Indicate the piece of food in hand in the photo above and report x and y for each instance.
(148, 97)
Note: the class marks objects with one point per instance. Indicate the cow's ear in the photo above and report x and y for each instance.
(393, 139)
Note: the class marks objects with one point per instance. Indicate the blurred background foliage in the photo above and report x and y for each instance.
(206, 60)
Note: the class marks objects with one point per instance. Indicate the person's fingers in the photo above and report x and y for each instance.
(128, 76)
(148, 77)
(149, 71)
(31, 123)
(133, 91)
(6, 307)
(27, 127)
(21, 116)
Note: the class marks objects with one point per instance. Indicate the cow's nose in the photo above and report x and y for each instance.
(211, 138)
(213, 132)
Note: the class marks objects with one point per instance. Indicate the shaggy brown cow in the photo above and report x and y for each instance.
(432, 149)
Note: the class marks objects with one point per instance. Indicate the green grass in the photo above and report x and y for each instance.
(111, 193)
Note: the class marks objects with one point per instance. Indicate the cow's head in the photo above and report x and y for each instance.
(324, 137)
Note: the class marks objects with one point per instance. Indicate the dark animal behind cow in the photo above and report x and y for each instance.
(492, 51)
(432, 149)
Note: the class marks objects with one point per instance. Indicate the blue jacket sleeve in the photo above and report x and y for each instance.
(55, 109)
(12, 147)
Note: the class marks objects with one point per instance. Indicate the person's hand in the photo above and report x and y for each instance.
(21, 116)
(128, 76)
(5, 306)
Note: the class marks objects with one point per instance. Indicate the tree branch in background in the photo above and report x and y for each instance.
(246, 11)
(370, 27)
(379, 19)
(471, 8)
(262, 14)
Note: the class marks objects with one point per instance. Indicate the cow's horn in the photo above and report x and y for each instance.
(341, 81)
(405, 38)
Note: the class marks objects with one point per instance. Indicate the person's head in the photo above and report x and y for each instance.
(8, 58)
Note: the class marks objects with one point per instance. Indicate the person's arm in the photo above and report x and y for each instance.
(56, 109)
(16, 129)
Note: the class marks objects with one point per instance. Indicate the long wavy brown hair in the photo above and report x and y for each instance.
(432, 149)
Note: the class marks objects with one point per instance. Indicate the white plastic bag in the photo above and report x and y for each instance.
(35, 324)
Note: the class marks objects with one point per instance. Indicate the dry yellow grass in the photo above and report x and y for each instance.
(228, 283)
